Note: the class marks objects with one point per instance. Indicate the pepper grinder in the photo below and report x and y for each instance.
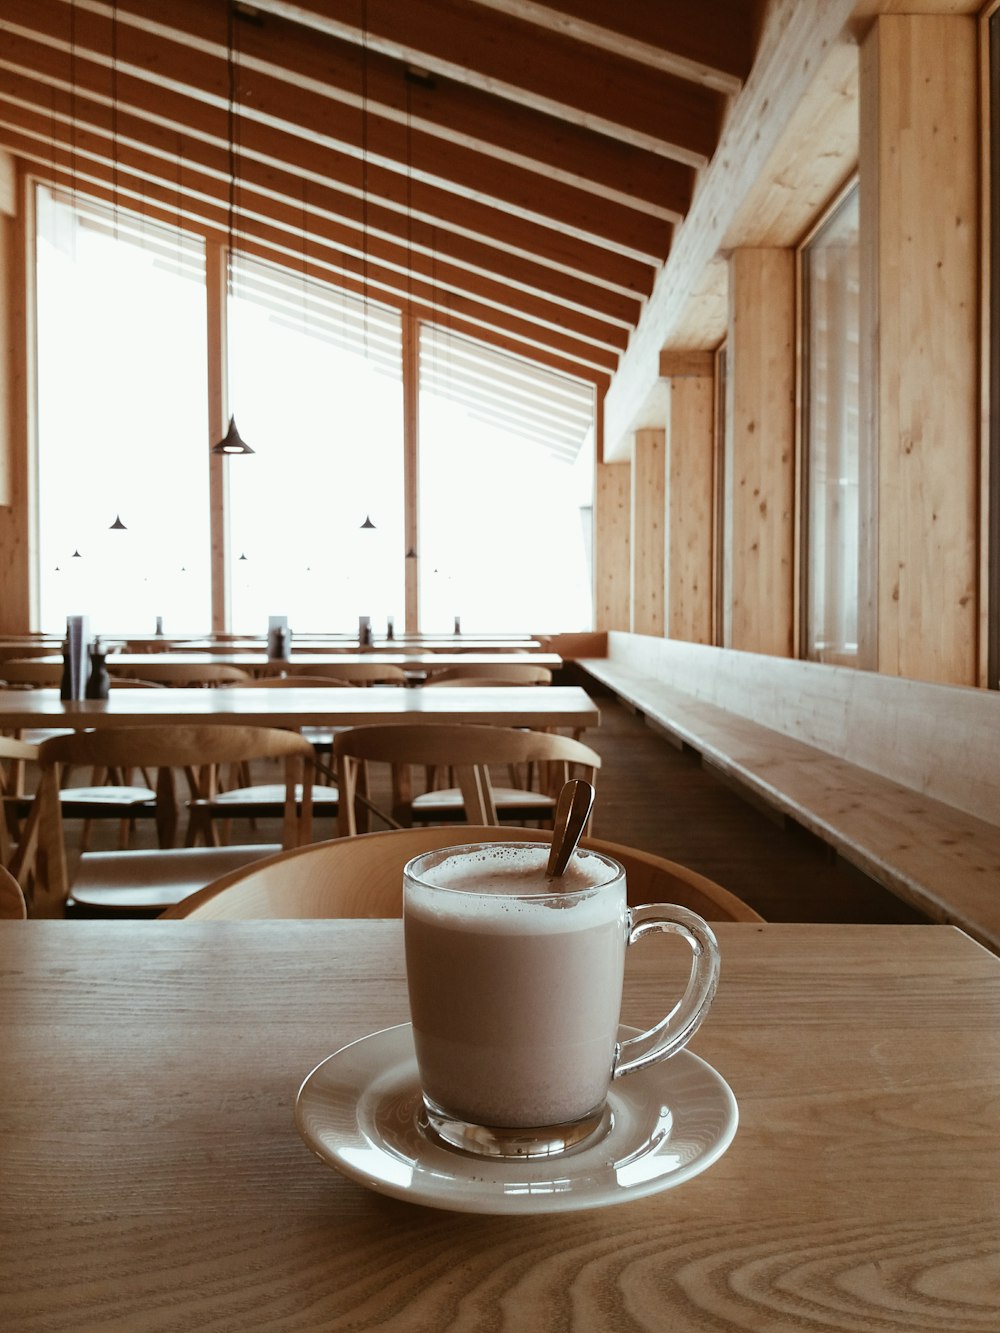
(98, 683)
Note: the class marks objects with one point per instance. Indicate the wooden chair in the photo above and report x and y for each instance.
(481, 674)
(297, 682)
(110, 794)
(468, 750)
(24, 671)
(363, 877)
(181, 674)
(15, 755)
(12, 905)
(350, 673)
(151, 880)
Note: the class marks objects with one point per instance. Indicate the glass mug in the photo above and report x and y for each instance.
(515, 985)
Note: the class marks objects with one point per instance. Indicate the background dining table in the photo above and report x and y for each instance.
(565, 706)
(253, 658)
(152, 1177)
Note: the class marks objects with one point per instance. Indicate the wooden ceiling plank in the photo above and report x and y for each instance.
(196, 169)
(711, 44)
(448, 165)
(493, 126)
(433, 206)
(545, 70)
(794, 36)
(488, 124)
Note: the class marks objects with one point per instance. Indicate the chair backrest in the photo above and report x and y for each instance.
(22, 650)
(351, 673)
(297, 682)
(198, 751)
(180, 673)
(363, 877)
(481, 673)
(14, 756)
(12, 905)
(466, 748)
(18, 671)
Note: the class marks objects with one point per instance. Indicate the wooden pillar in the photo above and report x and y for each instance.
(18, 579)
(760, 453)
(217, 309)
(689, 498)
(411, 471)
(612, 546)
(919, 339)
(648, 537)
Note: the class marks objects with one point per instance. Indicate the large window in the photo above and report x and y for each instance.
(317, 395)
(122, 421)
(506, 491)
(314, 520)
(830, 268)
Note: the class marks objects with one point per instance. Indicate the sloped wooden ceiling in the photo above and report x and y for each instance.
(511, 170)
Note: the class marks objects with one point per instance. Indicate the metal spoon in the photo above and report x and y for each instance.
(572, 812)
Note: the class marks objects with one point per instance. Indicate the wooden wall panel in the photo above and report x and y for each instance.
(690, 508)
(920, 321)
(612, 546)
(760, 452)
(17, 575)
(648, 531)
(8, 342)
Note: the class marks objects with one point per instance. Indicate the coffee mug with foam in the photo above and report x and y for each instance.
(515, 985)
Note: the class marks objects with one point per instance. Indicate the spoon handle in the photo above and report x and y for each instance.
(572, 812)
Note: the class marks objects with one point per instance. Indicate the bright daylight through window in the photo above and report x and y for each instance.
(121, 421)
(315, 516)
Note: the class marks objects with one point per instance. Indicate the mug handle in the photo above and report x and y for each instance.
(679, 1026)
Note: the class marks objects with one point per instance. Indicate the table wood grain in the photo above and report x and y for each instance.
(552, 706)
(151, 1177)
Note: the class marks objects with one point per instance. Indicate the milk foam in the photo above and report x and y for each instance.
(499, 887)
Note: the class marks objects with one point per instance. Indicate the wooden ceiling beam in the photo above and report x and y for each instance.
(711, 44)
(189, 165)
(490, 125)
(284, 247)
(544, 70)
(144, 56)
(163, 107)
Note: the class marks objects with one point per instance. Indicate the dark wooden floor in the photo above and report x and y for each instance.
(653, 796)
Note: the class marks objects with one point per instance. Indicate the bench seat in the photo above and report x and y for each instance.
(941, 858)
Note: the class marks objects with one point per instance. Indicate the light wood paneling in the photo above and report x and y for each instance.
(760, 452)
(920, 321)
(17, 572)
(612, 545)
(690, 446)
(8, 341)
(648, 531)
(216, 288)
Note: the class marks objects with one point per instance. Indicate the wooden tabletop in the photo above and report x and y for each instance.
(307, 643)
(551, 706)
(151, 1176)
(250, 658)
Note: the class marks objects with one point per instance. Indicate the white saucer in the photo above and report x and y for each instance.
(358, 1112)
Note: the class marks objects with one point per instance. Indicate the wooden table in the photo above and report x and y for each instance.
(252, 659)
(151, 1176)
(551, 706)
(305, 643)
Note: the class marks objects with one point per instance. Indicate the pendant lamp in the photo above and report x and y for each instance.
(232, 442)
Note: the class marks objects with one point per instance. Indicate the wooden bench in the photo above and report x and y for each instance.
(901, 777)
